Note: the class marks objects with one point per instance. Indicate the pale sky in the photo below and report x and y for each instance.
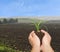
(29, 8)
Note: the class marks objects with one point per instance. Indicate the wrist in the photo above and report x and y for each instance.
(36, 49)
(36, 46)
(49, 48)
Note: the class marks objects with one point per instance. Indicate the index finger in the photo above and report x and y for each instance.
(43, 31)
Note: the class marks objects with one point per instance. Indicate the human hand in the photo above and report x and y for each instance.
(34, 40)
(46, 40)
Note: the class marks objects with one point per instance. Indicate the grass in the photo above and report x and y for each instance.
(4, 48)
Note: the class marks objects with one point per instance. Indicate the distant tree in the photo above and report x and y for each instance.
(11, 20)
(16, 20)
(5, 20)
(0, 22)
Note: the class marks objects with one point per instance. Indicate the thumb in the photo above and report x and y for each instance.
(31, 35)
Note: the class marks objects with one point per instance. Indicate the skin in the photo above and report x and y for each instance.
(46, 46)
(35, 42)
(33, 39)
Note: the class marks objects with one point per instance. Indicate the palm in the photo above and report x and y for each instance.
(47, 38)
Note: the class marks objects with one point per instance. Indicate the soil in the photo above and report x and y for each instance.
(40, 35)
(16, 35)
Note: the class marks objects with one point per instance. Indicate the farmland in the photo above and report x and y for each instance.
(15, 35)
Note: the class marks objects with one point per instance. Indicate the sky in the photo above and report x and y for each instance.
(29, 8)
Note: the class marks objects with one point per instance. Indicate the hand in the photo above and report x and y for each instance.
(34, 41)
(46, 47)
(47, 38)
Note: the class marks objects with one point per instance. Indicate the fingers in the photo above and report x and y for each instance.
(47, 37)
(43, 31)
(31, 35)
(34, 39)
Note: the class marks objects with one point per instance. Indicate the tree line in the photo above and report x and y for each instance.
(4, 21)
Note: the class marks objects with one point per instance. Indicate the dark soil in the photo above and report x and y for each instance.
(16, 35)
(40, 35)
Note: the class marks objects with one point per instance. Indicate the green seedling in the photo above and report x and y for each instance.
(38, 25)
